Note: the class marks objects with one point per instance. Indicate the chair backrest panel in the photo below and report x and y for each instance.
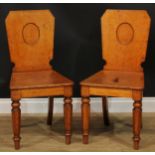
(31, 39)
(124, 39)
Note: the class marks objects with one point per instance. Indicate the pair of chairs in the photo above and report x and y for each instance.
(31, 44)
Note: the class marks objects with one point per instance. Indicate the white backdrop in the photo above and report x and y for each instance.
(39, 105)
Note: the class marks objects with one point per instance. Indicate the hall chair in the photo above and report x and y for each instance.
(31, 44)
(124, 43)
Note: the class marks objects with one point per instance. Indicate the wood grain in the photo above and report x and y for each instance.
(44, 79)
(116, 79)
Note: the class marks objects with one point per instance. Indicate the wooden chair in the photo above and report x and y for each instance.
(31, 44)
(124, 43)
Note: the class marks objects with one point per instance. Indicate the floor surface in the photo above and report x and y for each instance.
(37, 136)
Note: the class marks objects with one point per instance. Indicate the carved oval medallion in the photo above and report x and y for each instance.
(31, 33)
(125, 33)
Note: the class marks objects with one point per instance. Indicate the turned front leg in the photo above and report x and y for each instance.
(85, 118)
(68, 118)
(137, 122)
(16, 120)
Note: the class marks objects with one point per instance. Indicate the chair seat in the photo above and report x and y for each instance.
(38, 79)
(116, 79)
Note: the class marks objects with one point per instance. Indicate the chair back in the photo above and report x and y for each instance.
(30, 39)
(124, 39)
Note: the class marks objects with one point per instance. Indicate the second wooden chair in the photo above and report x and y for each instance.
(124, 43)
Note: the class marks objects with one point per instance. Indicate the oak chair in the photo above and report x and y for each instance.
(31, 45)
(124, 43)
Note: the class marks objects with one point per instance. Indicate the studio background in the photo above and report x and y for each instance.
(77, 52)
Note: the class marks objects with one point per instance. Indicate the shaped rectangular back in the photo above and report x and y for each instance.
(31, 39)
(124, 39)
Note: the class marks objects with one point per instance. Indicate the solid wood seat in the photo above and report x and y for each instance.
(124, 43)
(116, 79)
(38, 79)
(31, 45)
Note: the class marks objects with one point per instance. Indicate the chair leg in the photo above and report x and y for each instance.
(68, 118)
(141, 119)
(50, 111)
(137, 122)
(105, 111)
(16, 120)
(85, 119)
